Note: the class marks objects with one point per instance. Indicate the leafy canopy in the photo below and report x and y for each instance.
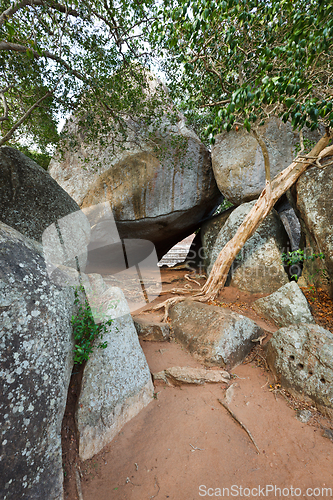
(83, 55)
(237, 62)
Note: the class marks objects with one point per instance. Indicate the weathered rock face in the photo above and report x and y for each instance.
(292, 226)
(209, 232)
(149, 330)
(116, 382)
(215, 335)
(238, 162)
(30, 200)
(160, 194)
(314, 203)
(301, 356)
(258, 266)
(35, 366)
(286, 306)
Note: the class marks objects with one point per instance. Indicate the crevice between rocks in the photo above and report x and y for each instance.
(69, 436)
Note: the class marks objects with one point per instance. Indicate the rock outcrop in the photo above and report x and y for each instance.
(30, 200)
(152, 330)
(258, 266)
(116, 382)
(35, 364)
(238, 162)
(160, 183)
(286, 306)
(215, 335)
(301, 356)
(314, 203)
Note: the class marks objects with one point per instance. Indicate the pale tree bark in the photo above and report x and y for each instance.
(269, 196)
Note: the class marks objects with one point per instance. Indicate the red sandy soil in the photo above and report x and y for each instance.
(184, 439)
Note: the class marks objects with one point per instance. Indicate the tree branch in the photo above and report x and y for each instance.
(264, 150)
(218, 103)
(22, 48)
(19, 5)
(5, 107)
(23, 118)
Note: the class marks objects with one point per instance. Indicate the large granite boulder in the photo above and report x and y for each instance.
(35, 365)
(315, 207)
(214, 335)
(209, 232)
(258, 266)
(160, 183)
(116, 381)
(301, 357)
(286, 306)
(238, 162)
(30, 200)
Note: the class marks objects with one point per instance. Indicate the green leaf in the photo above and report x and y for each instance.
(290, 101)
(247, 125)
(205, 14)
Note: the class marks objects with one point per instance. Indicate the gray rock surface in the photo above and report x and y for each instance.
(292, 226)
(301, 357)
(258, 266)
(238, 162)
(303, 416)
(209, 232)
(35, 366)
(314, 203)
(116, 382)
(149, 330)
(286, 306)
(177, 375)
(157, 194)
(215, 335)
(30, 200)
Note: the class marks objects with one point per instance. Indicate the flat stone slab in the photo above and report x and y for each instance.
(286, 306)
(186, 375)
(215, 335)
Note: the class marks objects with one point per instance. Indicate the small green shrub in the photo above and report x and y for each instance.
(86, 331)
(297, 257)
(225, 205)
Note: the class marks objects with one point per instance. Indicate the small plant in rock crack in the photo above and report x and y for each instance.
(86, 331)
(297, 257)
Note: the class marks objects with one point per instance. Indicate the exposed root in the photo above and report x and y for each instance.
(78, 484)
(187, 276)
(176, 290)
(167, 304)
(239, 422)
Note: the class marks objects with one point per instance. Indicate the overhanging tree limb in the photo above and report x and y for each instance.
(8, 13)
(8, 46)
(10, 133)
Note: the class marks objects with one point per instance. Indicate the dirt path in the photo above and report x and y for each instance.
(184, 445)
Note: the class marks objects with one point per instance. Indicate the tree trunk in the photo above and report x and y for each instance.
(269, 196)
